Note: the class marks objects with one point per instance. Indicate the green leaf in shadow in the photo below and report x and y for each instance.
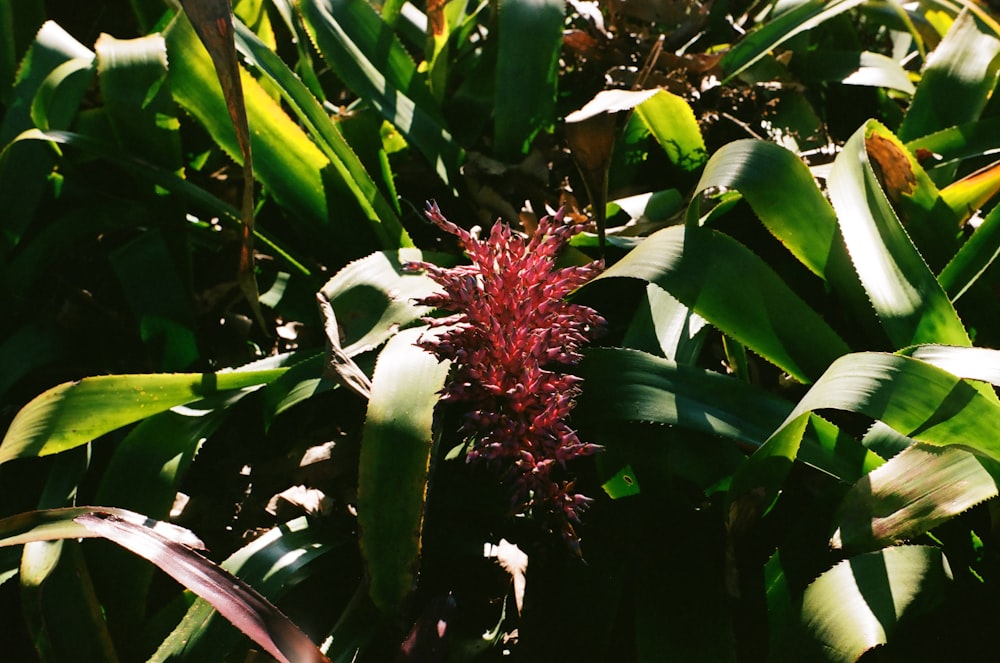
(273, 564)
(804, 16)
(530, 40)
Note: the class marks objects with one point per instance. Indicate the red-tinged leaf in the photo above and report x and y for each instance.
(54, 524)
(235, 600)
(213, 21)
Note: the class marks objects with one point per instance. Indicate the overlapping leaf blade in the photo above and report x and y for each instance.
(75, 413)
(365, 53)
(724, 282)
(908, 299)
(393, 470)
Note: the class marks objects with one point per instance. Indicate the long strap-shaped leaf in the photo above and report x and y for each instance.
(349, 34)
(923, 485)
(75, 413)
(915, 398)
(273, 564)
(379, 212)
(859, 603)
(908, 299)
(395, 456)
(728, 285)
(958, 79)
(805, 16)
(237, 601)
(629, 385)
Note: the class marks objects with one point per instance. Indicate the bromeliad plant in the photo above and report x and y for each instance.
(796, 429)
(510, 327)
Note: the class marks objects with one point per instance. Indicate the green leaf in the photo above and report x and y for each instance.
(132, 75)
(75, 413)
(758, 169)
(23, 168)
(915, 398)
(664, 326)
(154, 289)
(373, 297)
(916, 490)
(623, 385)
(380, 213)
(530, 40)
(61, 610)
(622, 484)
(144, 475)
(672, 123)
(858, 604)
(969, 194)
(272, 564)
(957, 81)
(908, 299)
(968, 140)
(200, 199)
(775, 32)
(975, 256)
(392, 475)
(852, 68)
(365, 53)
(725, 283)
(289, 165)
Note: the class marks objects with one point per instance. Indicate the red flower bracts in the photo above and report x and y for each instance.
(510, 327)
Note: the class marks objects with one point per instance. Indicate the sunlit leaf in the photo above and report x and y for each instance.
(915, 398)
(957, 82)
(908, 299)
(380, 213)
(366, 55)
(725, 283)
(916, 490)
(392, 475)
(75, 413)
(858, 604)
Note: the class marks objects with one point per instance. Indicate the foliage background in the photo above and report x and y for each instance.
(794, 395)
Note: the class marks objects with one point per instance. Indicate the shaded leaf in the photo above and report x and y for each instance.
(530, 40)
(273, 564)
(237, 601)
(775, 32)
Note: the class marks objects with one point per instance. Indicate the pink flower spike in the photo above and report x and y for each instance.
(510, 327)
